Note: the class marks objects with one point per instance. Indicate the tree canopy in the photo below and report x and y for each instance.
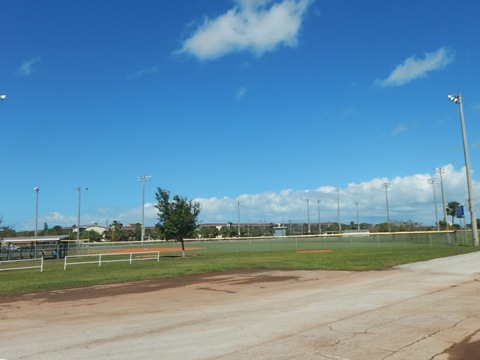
(452, 210)
(177, 217)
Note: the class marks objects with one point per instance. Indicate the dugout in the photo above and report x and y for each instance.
(280, 231)
(33, 247)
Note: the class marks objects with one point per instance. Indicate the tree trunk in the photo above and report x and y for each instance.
(183, 248)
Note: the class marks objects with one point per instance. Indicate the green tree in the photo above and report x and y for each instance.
(7, 231)
(137, 233)
(114, 231)
(452, 210)
(57, 230)
(92, 235)
(177, 217)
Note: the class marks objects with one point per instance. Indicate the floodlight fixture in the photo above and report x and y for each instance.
(3, 97)
(457, 99)
(144, 178)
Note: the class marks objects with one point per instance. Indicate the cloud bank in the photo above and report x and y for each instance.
(410, 198)
(414, 68)
(257, 26)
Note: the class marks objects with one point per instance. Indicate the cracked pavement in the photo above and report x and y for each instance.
(415, 311)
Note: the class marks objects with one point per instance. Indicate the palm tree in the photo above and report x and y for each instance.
(452, 210)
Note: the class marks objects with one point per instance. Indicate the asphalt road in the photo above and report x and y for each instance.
(427, 310)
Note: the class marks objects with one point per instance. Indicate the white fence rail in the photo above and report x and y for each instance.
(24, 261)
(108, 258)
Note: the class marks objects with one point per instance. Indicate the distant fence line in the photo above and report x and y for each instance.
(271, 243)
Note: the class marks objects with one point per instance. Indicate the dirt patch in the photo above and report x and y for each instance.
(233, 277)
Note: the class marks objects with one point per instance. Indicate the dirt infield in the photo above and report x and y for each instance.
(420, 311)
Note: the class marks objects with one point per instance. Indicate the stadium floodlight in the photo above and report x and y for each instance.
(143, 179)
(433, 181)
(358, 223)
(386, 186)
(457, 99)
(441, 171)
(319, 222)
(308, 215)
(337, 190)
(3, 97)
(36, 189)
(79, 189)
(238, 218)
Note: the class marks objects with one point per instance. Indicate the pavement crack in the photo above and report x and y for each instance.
(219, 290)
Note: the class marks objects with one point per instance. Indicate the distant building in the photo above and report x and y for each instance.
(280, 231)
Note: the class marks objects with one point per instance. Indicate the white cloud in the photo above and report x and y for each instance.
(413, 68)
(26, 68)
(257, 26)
(240, 93)
(145, 71)
(400, 128)
(347, 112)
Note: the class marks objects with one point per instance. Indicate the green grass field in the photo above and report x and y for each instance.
(352, 254)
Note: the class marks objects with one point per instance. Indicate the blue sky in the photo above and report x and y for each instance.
(266, 103)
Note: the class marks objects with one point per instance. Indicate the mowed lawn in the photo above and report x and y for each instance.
(211, 259)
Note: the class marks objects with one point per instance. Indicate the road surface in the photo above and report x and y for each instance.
(428, 310)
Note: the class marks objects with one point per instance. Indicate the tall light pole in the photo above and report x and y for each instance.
(386, 186)
(457, 99)
(319, 223)
(441, 171)
(79, 189)
(238, 218)
(358, 223)
(434, 181)
(308, 215)
(143, 179)
(36, 188)
(337, 190)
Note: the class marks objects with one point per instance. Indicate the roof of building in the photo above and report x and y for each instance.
(35, 239)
